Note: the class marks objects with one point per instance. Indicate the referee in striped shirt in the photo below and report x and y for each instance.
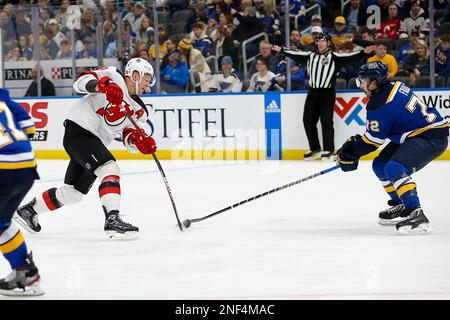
(322, 66)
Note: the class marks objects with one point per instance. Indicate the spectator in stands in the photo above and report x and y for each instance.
(417, 20)
(136, 16)
(226, 80)
(9, 9)
(295, 40)
(196, 62)
(224, 45)
(308, 41)
(226, 21)
(47, 87)
(262, 79)
(109, 34)
(89, 51)
(48, 45)
(446, 15)
(298, 76)
(200, 40)
(171, 47)
(270, 19)
(146, 32)
(265, 51)
(389, 29)
(126, 8)
(368, 35)
(44, 5)
(4, 19)
(14, 55)
(341, 32)
(61, 14)
(418, 63)
(296, 7)
(443, 57)
(249, 25)
(115, 51)
(385, 58)
(110, 6)
(316, 21)
(404, 52)
(18, 25)
(351, 12)
(45, 14)
(88, 24)
(143, 54)
(175, 75)
(54, 33)
(211, 26)
(64, 51)
(199, 14)
(162, 37)
(26, 50)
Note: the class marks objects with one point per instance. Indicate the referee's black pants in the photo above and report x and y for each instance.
(320, 105)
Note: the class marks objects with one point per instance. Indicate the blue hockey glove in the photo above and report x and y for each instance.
(345, 157)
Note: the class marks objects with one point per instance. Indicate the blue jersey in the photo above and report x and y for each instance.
(15, 126)
(396, 113)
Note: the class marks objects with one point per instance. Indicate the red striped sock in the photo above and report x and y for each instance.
(109, 191)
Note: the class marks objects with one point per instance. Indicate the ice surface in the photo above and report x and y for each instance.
(317, 240)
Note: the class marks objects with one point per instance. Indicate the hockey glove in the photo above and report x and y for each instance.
(345, 157)
(113, 92)
(144, 143)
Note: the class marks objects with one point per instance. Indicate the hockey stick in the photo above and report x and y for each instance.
(161, 171)
(187, 223)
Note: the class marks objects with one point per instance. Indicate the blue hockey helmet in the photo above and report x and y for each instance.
(373, 71)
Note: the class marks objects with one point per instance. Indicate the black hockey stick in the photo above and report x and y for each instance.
(187, 223)
(163, 175)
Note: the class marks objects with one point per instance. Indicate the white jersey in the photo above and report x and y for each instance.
(226, 82)
(260, 82)
(96, 114)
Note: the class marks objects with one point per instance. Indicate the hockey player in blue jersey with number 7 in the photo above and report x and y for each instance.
(17, 175)
(417, 135)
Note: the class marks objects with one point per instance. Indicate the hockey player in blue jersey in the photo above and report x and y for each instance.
(17, 175)
(417, 135)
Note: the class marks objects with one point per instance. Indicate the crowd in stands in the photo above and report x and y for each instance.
(192, 31)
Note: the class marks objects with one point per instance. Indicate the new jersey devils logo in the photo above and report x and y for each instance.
(115, 116)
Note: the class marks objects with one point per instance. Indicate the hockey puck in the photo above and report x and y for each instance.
(187, 223)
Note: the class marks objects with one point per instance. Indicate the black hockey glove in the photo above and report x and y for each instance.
(345, 157)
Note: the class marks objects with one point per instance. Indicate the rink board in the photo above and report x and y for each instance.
(242, 126)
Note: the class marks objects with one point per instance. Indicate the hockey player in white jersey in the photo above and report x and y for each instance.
(89, 128)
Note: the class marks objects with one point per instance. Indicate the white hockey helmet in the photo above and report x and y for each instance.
(143, 67)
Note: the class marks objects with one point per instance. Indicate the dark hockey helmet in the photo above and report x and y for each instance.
(323, 36)
(373, 71)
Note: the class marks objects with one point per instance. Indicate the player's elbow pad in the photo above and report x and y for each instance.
(126, 140)
(82, 83)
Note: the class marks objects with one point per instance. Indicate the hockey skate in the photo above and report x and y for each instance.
(23, 281)
(326, 155)
(117, 229)
(311, 155)
(415, 223)
(27, 217)
(392, 215)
